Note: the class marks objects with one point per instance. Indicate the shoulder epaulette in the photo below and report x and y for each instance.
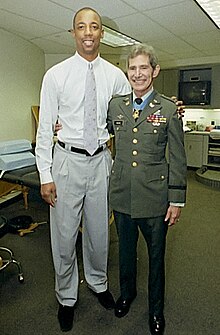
(168, 98)
(118, 96)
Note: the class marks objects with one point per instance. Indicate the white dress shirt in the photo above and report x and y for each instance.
(62, 98)
(145, 96)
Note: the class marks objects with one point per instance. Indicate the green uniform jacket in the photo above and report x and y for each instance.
(142, 183)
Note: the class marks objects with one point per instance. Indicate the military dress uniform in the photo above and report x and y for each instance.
(143, 184)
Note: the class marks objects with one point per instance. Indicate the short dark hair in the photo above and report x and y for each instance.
(86, 9)
(143, 49)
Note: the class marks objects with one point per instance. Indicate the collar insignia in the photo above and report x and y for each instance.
(156, 102)
(120, 116)
(127, 101)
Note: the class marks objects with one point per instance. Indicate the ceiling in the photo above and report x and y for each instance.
(178, 29)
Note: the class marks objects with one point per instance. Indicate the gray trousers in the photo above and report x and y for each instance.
(82, 187)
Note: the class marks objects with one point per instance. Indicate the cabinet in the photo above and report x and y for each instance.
(202, 150)
(215, 96)
(214, 153)
(167, 82)
(196, 147)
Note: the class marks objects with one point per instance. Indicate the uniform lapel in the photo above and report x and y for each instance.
(127, 107)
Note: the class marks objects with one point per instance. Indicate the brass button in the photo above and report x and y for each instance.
(162, 177)
(135, 130)
(155, 131)
(134, 152)
(135, 141)
(134, 164)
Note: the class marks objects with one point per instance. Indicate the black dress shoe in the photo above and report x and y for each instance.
(65, 317)
(122, 307)
(157, 324)
(106, 299)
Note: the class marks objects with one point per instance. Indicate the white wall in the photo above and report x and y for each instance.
(52, 59)
(22, 66)
(202, 116)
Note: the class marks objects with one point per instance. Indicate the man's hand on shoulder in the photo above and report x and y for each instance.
(180, 106)
(58, 126)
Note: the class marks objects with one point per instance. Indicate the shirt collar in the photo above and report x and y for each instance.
(95, 62)
(144, 96)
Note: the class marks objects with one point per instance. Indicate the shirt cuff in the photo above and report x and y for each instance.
(46, 178)
(177, 204)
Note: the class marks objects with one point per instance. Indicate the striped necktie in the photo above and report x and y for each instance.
(90, 113)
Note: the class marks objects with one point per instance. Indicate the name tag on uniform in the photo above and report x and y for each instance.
(118, 122)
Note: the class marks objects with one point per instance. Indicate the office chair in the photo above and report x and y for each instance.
(6, 254)
(10, 260)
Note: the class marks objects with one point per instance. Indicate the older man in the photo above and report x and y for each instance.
(146, 192)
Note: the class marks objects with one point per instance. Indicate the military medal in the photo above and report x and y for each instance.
(156, 119)
(140, 105)
(136, 114)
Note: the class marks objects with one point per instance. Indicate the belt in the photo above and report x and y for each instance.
(81, 151)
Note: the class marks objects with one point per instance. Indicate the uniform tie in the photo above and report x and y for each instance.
(90, 113)
(138, 101)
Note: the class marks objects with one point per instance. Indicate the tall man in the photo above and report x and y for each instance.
(75, 180)
(146, 193)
